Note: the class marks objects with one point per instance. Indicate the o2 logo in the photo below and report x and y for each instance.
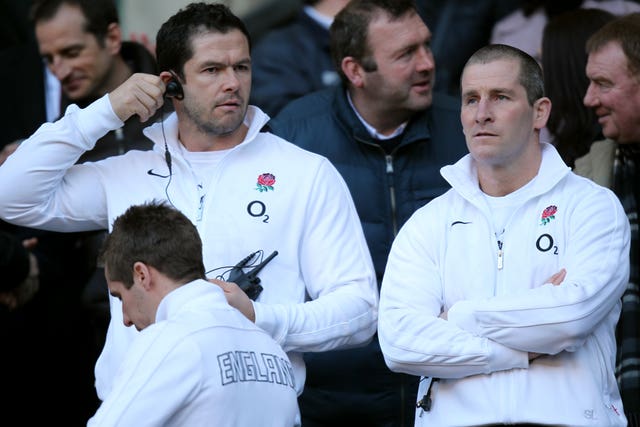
(258, 209)
(545, 243)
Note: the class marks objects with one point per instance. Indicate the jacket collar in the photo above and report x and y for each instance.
(463, 175)
(416, 130)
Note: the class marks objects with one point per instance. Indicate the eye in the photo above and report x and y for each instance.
(72, 53)
(211, 70)
(604, 84)
(242, 67)
(406, 53)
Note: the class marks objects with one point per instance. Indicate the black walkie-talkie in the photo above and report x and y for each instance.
(249, 282)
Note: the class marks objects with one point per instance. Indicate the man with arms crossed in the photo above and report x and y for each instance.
(504, 292)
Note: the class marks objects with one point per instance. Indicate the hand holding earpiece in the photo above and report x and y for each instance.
(141, 94)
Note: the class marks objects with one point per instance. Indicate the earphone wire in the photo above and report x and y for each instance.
(167, 155)
(255, 262)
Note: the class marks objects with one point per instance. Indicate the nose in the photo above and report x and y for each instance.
(231, 81)
(59, 67)
(425, 59)
(590, 98)
(483, 112)
(125, 319)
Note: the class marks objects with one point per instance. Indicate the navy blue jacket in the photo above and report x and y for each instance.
(387, 189)
(289, 62)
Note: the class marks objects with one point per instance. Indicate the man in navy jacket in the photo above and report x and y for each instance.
(388, 135)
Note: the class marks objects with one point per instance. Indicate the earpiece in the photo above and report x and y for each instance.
(174, 89)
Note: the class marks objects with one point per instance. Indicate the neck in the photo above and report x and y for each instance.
(377, 114)
(500, 179)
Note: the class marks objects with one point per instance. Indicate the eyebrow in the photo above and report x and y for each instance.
(207, 64)
(492, 91)
(502, 90)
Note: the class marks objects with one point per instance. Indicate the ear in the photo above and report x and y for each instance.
(353, 70)
(166, 76)
(142, 275)
(113, 39)
(541, 111)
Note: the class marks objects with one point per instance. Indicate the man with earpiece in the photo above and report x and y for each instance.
(245, 190)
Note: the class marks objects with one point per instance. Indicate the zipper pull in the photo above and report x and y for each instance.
(500, 260)
(201, 203)
(389, 162)
(426, 401)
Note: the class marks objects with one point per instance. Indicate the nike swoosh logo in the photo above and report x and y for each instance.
(460, 222)
(152, 173)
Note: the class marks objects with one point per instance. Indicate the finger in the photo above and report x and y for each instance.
(227, 287)
(147, 101)
(558, 278)
(217, 282)
(30, 243)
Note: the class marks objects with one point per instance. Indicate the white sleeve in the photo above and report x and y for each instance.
(550, 319)
(40, 185)
(413, 338)
(338, 272)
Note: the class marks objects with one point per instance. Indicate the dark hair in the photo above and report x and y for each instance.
(551, 7)
(350, 30)
(625, 31)
(175, 36)
(573, 126)
(530, 75)
(158, 235)
(99, 14)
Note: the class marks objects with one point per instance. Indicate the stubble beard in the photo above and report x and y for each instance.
(215, 127)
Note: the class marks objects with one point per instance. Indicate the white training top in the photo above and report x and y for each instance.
(266, 194)
(203, 363)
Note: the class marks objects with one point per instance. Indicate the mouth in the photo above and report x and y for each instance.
(423, 86)
(230, 104)
(484, 134)
(71, 85)
(602, 116)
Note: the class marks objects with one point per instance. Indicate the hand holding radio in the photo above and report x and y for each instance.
(241, 287)
(249, 281)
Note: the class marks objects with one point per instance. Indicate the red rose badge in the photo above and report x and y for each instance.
(265, 182)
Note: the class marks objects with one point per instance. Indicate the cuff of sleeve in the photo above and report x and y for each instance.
(267, 320)
(97, 119)
(504, 358)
